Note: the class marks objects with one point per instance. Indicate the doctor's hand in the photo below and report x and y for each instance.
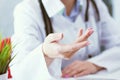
(80, 68)
(53, 49)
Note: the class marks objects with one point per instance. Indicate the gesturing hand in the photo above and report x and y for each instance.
(53, 49)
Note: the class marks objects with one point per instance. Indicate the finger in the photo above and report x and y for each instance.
(55, 37)
(74, 65)
(67, 72)
(69, 50)
(72, 73)
(60, 56)
(73, 69)
(86, 35)
(80, 68)
(77, 46)
(80, 32)
(82, 44)
(74, 47)
(83, 73)
(68, 69)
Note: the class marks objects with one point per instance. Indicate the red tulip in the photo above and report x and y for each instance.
(7, 46)
(2, 45)
(8, 41)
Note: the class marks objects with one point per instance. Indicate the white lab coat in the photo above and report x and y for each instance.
(29, 63)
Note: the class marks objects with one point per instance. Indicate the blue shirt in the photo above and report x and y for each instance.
(74, 13)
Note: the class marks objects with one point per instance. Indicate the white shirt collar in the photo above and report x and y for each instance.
(53, 6)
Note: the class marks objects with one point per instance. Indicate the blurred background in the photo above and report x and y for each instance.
(7, 8)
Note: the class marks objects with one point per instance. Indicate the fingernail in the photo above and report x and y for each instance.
(90, 32)
(74, 76)
(90, 28)
(87, 43)
(66, 76)
(61, 35)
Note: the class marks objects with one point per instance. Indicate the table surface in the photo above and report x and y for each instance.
(99, 76)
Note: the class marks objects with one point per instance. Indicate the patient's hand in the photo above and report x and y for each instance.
(80, 68)
(53, 49)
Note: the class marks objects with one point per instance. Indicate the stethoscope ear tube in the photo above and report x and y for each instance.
(87, 10)
(47, 21)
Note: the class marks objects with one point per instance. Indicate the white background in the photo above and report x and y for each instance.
(6, 16)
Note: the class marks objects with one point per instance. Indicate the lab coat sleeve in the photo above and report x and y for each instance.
(110, 40)
(29, 62)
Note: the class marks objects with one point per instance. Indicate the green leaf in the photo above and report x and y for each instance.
(5, 57)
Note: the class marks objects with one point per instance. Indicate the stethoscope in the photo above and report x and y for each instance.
(86, 19)
(47, 21)
(48, 24)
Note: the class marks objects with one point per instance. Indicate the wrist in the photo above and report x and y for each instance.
(48, 60)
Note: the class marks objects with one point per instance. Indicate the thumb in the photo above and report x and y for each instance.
(55, 37)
